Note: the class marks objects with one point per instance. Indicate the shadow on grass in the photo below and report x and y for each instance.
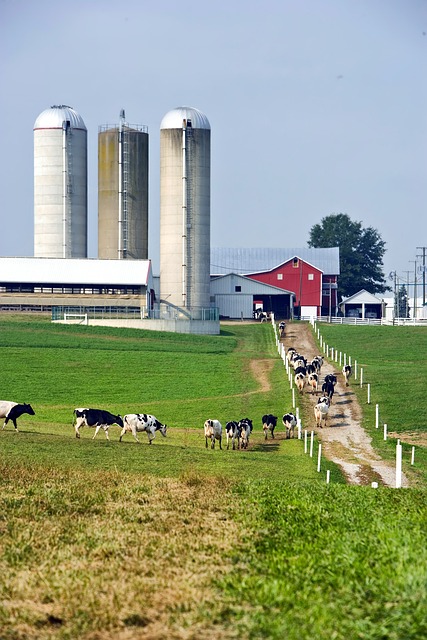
(269, 447)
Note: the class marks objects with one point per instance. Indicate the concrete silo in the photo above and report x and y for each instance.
(60, 184)
(123, 191)
(185, 139)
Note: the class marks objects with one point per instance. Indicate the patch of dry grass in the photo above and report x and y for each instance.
(113, 556)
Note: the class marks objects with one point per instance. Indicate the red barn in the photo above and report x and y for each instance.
(311, 274)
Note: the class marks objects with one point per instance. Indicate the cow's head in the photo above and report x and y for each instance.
(28, 409)
(163, 429)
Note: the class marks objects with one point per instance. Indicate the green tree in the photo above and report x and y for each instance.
(401, 302)
(361, 253)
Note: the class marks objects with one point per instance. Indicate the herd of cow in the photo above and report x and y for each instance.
(308, 373)
(237, 432)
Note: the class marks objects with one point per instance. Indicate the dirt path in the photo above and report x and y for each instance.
(344, 441)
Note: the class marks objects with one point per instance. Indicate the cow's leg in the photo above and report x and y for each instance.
(122, 433)
(206, 441)
(98, 426)
(105, 427)
(272, 433)
(14, 424)
(220, 442)
(134, 434)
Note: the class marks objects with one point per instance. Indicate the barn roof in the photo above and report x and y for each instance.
(243, 260)
(362, 296)
(82, 271)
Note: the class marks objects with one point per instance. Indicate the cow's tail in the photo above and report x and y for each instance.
(74, 418)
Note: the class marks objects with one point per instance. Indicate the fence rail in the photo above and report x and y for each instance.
(401, 322)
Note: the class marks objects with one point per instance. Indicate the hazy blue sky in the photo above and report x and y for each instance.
(316, 107)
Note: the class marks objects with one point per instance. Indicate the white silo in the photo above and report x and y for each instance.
(185, 140)
(60, 184)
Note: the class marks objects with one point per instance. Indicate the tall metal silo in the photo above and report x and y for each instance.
(123, 191)
(185, 150)
(60, 184)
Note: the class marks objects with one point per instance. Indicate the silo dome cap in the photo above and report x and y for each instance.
(54, 117)
(174, 119)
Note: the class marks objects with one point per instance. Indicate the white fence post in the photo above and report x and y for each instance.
(385, 432)
(305, 440)
(377, 416)
(361, 377)
(413, 456)
(369, 393)
(398, 466)
(319, 456)
(328, 476)
(311, 444)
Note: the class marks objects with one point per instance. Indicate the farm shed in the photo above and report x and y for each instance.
(363, 305)
(311, 274)
(239, 297)
(28, 283)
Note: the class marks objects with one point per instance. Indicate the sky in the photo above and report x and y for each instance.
(316, 107)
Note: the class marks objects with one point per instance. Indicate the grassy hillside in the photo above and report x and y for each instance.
(117, 540)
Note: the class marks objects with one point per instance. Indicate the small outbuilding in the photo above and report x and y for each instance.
(240, 297)
(363, 305)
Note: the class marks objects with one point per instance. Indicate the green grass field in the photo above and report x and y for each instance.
(103, 540)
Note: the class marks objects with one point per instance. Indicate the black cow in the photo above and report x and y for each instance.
(97, 418)
(269, 423)
(12, 411)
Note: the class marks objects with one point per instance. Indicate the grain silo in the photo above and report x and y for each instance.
(185, 209)
(123, 191)
(60, 184)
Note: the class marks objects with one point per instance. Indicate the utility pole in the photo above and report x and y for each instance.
(423, 256)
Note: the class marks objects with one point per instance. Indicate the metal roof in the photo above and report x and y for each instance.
(242, 260)
(173, 119)
(85, 271)
(54, 117)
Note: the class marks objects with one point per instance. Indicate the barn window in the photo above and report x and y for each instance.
(280, 276)
(295, 263)
(237, 288)
(311, 276)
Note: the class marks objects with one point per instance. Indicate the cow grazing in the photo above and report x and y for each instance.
(300, 382)
(139, 422)
(232, 432)
(13, 410)
(313, 382)
(213, 430)
(321, 410)
(346, 371)
(290, 422)
(97, 418)
(269, 423)
(246, 426)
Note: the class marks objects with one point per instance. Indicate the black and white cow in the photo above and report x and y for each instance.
(97, 418)
(328, 386)
(346, 371)
(321, 410)
(246, 426)
(140, 422)
(290, 422)
(213, 430)
(269, 423)
(13, 410)
(233, 431)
